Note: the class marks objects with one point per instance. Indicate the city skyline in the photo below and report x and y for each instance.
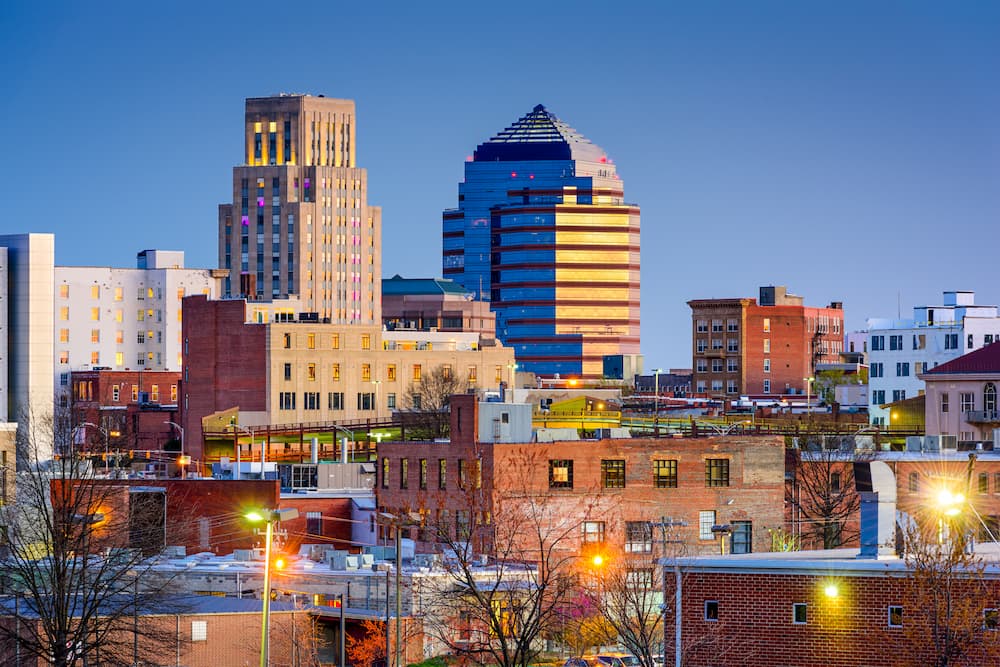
(847, 152)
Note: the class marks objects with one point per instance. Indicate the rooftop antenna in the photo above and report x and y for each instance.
(899, 309)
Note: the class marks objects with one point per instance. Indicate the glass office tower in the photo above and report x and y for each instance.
(542, 231)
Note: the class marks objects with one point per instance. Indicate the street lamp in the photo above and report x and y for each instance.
(949, 506)
(269, 517)
(378, 404)
(809, 380)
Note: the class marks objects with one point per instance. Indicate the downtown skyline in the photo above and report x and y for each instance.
(848, 152)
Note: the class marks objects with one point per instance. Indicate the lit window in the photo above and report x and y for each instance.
(95, 291)
(311, 371)
(366, 342)
(366, 372)
(154, 393)
(665, 473)
(311, 341)
(472, 374)
(716, 472)
(593, 532)
(118, 315)
(390, 372)
(335, 368)
(95, 358)
(119, 359)
(613, 473)
(416, 372)
(767, 324)
(560, 474)
(95, 335)
(64, 291)
(335, 342)
(64, 335)
(118, 294)
(711, 610)
(64, 313)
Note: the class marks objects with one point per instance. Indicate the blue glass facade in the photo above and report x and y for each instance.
(527, 236)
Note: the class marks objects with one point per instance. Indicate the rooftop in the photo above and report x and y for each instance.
(400, 286)
(984, 360)
(539, 135)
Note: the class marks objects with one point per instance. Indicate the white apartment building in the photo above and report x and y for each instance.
(123, 319)
(899, 350)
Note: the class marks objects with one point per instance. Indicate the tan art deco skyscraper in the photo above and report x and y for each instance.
(300, 224)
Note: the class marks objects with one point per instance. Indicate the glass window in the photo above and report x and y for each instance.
(706, 519)
(665, 473)
(895, 616)
(638, 537)
(799, 613)
(716, 472)
(593, 532)
(711, 610)
(560, 474)
(442, 473)
(613, 473)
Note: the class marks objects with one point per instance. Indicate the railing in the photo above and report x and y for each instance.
(979, 416)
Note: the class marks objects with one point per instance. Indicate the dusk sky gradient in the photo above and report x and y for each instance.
(848, 150)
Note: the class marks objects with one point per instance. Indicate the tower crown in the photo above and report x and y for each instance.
(538, 135)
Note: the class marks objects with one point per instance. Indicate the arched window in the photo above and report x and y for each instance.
(990, 397)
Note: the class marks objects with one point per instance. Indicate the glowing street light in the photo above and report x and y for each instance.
(269, 517)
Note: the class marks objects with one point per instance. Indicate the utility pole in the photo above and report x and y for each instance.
(667, 526)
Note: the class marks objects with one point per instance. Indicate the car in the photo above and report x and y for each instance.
(582, 661)
(618, 660)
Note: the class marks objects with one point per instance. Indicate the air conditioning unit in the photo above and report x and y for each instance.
(949, 442)
(427, 560)
(914, 443)
(932, 443)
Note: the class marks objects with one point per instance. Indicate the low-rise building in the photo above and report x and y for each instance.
(434, 304)
(961, 400)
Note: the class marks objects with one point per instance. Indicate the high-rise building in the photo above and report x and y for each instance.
(742, 347)
(26, 374)
(300, 224)
(542, 231)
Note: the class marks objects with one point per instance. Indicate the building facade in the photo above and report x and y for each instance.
(26, 332)
(299, 222)
(433, 304)
(899, 351)
(612, 488)
(123, 319)
(961, 398)
(543, 232)
(765, 349)
(298, 370)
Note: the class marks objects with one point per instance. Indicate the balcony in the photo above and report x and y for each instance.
(982, 416)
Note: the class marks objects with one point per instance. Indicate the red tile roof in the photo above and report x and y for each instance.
(984, 360)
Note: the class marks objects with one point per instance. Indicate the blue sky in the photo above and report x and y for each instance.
(849, 150)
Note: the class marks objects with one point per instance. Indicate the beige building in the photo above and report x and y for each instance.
(281, 368)
(299, 222)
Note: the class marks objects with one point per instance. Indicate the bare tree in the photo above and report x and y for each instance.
(820, 495)
(77, 559)
(426, 410)
(496, 609)
(629, 596)
(948, 616)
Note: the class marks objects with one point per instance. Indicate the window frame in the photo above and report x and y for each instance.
(796, 608)
(613, 473)
(717, 473)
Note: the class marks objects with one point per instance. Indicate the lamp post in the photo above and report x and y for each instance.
(511, 370)
(378, 404)
(269, 517)
(397, 522)
(182, 460)
(809, 380)
(949, 506)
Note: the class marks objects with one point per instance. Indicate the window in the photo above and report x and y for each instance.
(310, 400)
(416, 400)
(288, 372)
(64, 335)
(335, 372)
(314, 523)
(366, 372)
(593, 532)
(716, 472)
(767, 386)
(716, 343)
(560, 474)
(878, 343)
(390, 401)
(311, 341)
(366, 400)
(742, 537)
(902, 369)
(878, 397)
(471, 375)
(716, 325)
(115, 393)
(701, 344)
(64, 291)
(896, 342)
(462, 476)
(895, 616)
(335, 400)
(767, 365)
(442, 473)
(767, 346)
(199, 631)
(716, 365)
(701, 365)
(732, 325)
(732, 365)
(95, 358)
(876, 369)
(732, 345)
(638, 537)
(914, 482)
(385, 472)
(95, 314)
(984, 483)
(119, 336)
(919, 341)
(154, 393)
(390, 373)
(835, 482)
(287, 340)
(665, 473)
(991, 618)
(706, 519)
(404, 473)
(898, 395)
(968, 401)
(731, 387)
(366, 341)
(416, 372)
(701, 326)
(423, 473)
(335, 342)
(613, 473)
(970, 342)
(767, 324)
(173, 393)
(711, 610)
(135, 393)
(311, 372)
(799, 613)
(951, 341)
(990, 397)
(286, 400)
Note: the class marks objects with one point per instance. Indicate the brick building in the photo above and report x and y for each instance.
(762, 349)
(615, 486)
(295, 369)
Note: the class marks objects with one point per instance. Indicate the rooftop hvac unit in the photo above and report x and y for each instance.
(949, 442)
(367, 560)
(175, 551)
(427, 560)
(914, 443)
(243, 555)
(336, 559)
(932, 443)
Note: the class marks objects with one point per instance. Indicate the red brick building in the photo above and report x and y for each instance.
(814, 609)
(762, 349)
(130, 406)
(616, 487)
